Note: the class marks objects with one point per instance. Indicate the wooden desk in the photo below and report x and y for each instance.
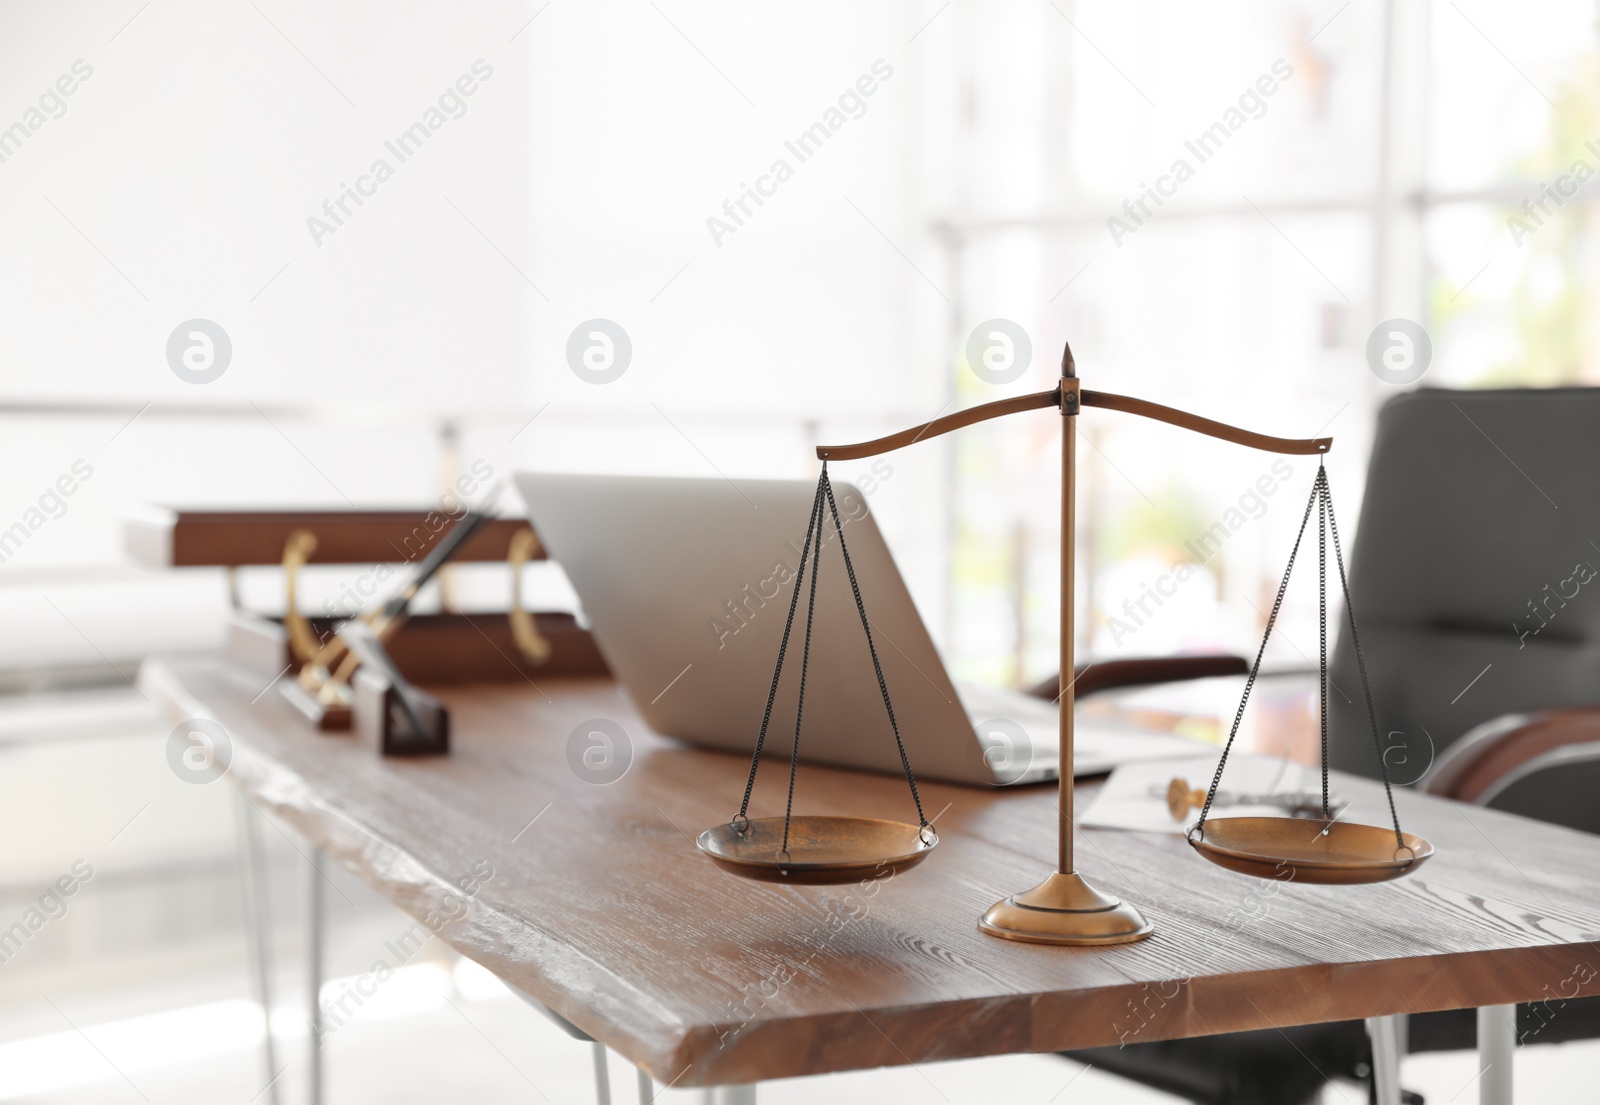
(601, 908)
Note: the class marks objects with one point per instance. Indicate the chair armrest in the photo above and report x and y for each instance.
(1498, 753)
(1107, 674)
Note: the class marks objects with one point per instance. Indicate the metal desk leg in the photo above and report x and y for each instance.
(1385, 1035)
(647, 1088)
(602, 1075)
(738, 1095)
(314, 935)
(1497, 1042)
(258, 930)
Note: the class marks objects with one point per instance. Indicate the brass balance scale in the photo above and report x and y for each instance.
(1065, 908)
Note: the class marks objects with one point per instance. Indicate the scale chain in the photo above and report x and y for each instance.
(1255, 668)
(805, 664)
(1361, 666)
(742, 820)
(1322, 500)
(883, 687)
(1323, 511)
(812, 550)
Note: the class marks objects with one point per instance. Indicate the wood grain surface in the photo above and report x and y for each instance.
(601, 908)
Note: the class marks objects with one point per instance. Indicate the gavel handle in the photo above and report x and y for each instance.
(386, 620)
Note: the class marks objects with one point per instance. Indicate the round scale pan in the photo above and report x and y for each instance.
(1298, 849)
(822, 850)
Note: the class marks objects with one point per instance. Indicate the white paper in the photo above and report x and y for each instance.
(1135, 796)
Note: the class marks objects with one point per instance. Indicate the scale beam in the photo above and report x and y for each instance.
(1039, 400)
(1036, 401)
(1299, 446)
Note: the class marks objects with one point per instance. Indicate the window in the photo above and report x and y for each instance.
(1215, 206)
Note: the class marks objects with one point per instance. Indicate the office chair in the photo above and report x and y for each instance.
(1475, 575)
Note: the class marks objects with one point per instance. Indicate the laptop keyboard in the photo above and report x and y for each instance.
(1098, 745)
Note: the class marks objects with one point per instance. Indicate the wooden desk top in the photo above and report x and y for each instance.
(601, 907)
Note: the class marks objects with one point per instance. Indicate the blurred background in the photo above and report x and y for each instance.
(1014, 163)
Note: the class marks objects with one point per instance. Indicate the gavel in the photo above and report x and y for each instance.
(1182, 798)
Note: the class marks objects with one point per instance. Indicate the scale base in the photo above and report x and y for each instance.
(1065, 909)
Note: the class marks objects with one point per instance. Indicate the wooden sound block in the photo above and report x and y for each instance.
(326, 717)
(382, 723)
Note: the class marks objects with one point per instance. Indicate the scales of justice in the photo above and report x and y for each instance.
(1065, 908)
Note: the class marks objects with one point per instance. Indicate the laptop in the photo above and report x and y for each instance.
(686, 584)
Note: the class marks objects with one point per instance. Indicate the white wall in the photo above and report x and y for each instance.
(178, 181)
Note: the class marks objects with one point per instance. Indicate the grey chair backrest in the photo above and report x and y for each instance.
(1475, 578)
